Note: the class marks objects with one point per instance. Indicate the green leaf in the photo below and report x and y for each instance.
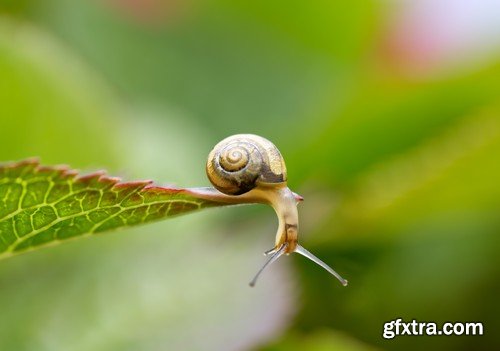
(45, 205)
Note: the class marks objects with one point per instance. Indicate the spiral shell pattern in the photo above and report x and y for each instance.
(241, 162)
(234, 157)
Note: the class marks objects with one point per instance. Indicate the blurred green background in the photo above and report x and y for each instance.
(387, 114)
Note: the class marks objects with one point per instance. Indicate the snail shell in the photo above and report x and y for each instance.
(242, 162)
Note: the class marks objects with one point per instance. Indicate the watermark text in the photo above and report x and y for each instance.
(398, 327)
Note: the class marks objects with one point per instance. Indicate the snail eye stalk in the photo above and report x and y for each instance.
(271, 259)
(301, 250)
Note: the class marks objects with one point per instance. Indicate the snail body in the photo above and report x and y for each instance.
(247, 168)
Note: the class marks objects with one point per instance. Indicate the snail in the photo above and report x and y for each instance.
(247, 168)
